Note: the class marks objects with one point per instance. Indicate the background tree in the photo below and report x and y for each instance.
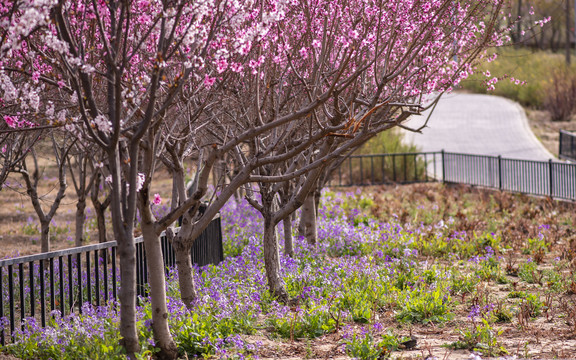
(32, 176)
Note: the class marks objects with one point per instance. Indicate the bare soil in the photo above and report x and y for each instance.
(19, 225)
(546, 130)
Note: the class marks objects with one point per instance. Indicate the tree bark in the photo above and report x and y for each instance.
(127, 294)
(302, 223)
(80, 218)
(309, 217)
(123, 232)
(182, 247)
(101, 222)
(153, 247)
(100, 208)
(272, 261)
(288, 241)
(45, 235)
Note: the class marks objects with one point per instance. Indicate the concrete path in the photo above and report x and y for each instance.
(478, 124)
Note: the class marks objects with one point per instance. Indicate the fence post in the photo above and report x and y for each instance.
(572, 150)
(500, 172)
(443, 167)
(560, 144)
(551, 178)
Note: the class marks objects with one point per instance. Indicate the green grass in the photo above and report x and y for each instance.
(535, 68)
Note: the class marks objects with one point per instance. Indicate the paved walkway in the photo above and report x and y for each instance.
(478, 124)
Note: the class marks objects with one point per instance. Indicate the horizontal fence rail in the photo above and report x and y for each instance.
(543, 178)
(567, 148)
(61, 282)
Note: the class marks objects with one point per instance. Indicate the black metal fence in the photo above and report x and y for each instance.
(546, 178)
(404, 168)
(567, 148)
(63, 281)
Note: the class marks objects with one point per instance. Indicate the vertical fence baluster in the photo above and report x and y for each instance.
(11, 297)
(22, 300)
(61, 285)
(138, 270)
(551, 192)
(32, 294)
(350, 181)
(394, 167)
(52, 297)
(499, 172)
(70, 285)
(172, 253)
(405, 168)
(105, 276)
(560, 147)
(361, 171)
(79, 273)
(42, 294)
(114, 284)
(372, 168)
(97, 277)
(88, 279)
(383, 173)
(425, 167)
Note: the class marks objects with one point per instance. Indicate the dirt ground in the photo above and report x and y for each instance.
(546, 130)
(19, 224)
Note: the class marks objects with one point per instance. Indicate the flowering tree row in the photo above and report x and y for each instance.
(263, 93)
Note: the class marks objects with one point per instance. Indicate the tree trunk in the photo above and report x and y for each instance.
(100, 208)
(302, 223)
(123, 232)
(188, 292)
(309, 217)
(272, 261)
(288, 241)
(127, 294)
(153, 247)
(45, 235)
(80, 217)
(101, 222)
(182, 245)
(317, 195)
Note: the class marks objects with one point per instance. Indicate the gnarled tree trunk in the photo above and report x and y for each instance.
(80, 218)
(156, 278)
(272, 260)
(45, 235)
(288, 241)
(182, 247)
(309, 219)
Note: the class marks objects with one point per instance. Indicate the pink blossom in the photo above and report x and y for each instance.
(236, 67)
(209, 81)
(35, 76)
(221, 65)
(11, 121)
(157, 199)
